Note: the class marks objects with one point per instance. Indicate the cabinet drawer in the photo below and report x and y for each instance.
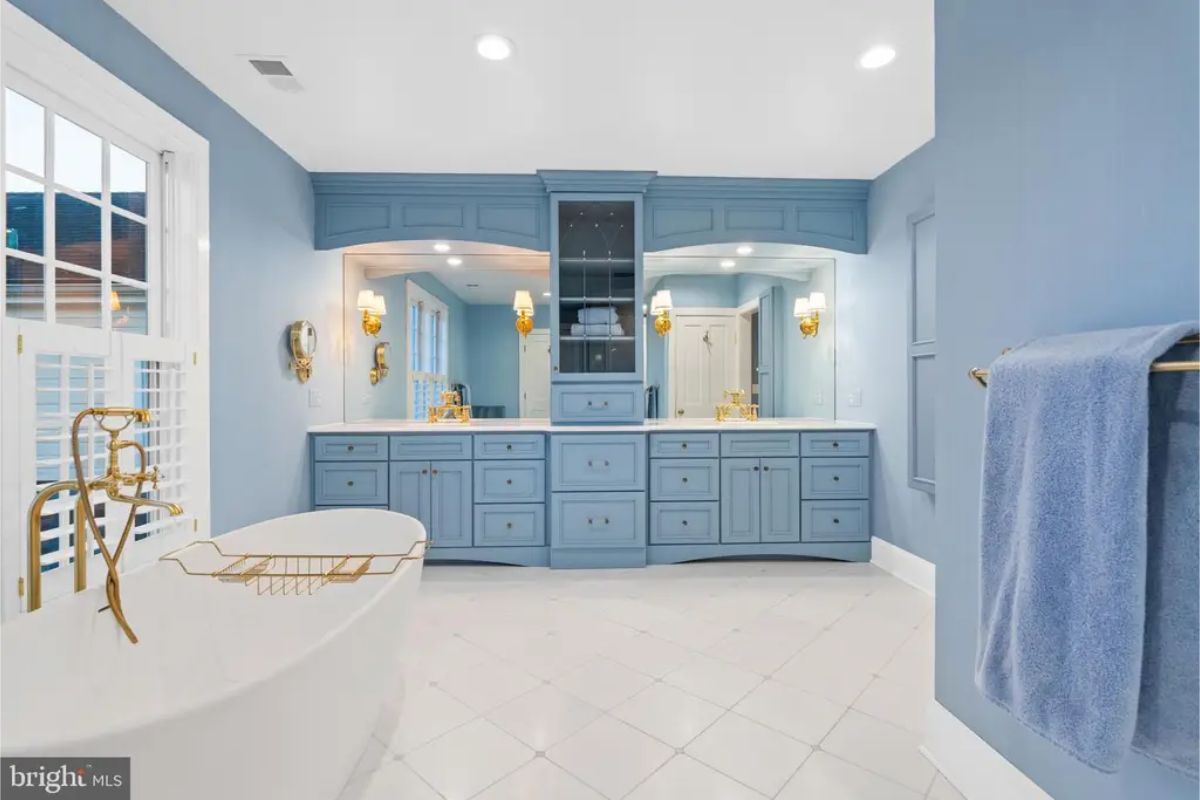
(835, 521)
(513, 525)
(611, 519)
(835, 443)
(597, 402)
(510, 445)
(598, 462)
(685, 523)
(738, 445)
(685, 479)
(350, 448)
(835, 478)
(431, 446)
(684, 445)
(350, 484)
(510, 481)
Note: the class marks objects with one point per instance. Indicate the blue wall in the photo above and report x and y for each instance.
(872, 348)
(1067, 200)
(261, 218)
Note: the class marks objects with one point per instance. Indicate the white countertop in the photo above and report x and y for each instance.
(543, 425)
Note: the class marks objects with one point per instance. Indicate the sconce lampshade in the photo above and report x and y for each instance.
(661, 301)
(816, 301)
(379, 305)
(366, 300)
(802, 307)
(523, 301)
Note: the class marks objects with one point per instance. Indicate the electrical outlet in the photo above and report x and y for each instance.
(819, 399)
(314, 398)
(854, 399)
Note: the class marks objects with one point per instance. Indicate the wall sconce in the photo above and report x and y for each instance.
(373, 308)
(303, 342)
(523, 305)
(807, 312)
(380, 370)
(660, 309)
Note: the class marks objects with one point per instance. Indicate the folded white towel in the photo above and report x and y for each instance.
(597, 330)
(595, 315)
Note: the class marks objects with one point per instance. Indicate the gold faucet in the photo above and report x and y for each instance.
(450, 408)
(735, 400)
(111, 482)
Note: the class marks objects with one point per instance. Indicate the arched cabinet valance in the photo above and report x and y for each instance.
(353, 209)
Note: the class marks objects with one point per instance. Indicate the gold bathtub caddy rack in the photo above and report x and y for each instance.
(294, 573)
(112, 420)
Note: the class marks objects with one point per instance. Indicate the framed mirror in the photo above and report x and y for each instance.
(304, 348)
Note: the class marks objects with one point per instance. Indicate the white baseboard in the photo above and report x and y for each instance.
(912, 569)
(970, 763)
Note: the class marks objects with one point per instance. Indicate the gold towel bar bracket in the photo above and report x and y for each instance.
(980, 374)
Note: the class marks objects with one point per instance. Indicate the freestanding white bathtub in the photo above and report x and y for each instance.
(229, 694)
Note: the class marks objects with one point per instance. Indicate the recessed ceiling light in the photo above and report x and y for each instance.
(876, 57)
(728, 263)
(454, 261)
(744, 250)
(493, 47)
(545, 294)
(441, 247)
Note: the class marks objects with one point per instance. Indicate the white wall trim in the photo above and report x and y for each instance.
(908, 567)
(971, 764)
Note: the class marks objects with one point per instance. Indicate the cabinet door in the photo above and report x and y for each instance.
(450, 498)
(780, 520)
(408, 491)
(740, 479)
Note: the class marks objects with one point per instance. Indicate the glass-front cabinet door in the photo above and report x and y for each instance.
(597, 288)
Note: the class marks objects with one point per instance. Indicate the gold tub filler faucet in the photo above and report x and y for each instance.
(112, 421)
(735, 402)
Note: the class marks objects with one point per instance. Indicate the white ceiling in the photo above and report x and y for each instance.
(766, 88)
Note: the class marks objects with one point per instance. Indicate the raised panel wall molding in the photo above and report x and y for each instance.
(358, 208)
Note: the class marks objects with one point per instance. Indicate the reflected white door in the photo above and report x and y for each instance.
(703, 362)
(534, 370)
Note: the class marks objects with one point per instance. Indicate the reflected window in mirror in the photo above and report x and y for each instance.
(428, 321)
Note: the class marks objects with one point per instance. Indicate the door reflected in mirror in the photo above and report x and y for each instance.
(450, 325)
(733, 327)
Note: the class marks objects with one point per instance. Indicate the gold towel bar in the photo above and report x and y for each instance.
(980, 374)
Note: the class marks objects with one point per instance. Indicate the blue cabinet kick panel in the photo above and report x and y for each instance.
(601, 499)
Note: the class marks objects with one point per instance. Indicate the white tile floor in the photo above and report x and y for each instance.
(721, 681)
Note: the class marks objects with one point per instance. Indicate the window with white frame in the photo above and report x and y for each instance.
(428, 321)
(99, 306)
(80, 224)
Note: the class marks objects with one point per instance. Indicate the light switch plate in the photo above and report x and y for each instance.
(854, 399)
(314, 398)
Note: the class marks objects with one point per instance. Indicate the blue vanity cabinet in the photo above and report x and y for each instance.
(509, 498)
(439, 494)
(779, 496)
(450, 510)
(596, 324)
(409, 491)
(835, 486)
(349, 484)
(598, 500)
(760, 497)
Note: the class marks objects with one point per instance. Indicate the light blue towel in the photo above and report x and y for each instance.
(1063, 551)
(1168, 729)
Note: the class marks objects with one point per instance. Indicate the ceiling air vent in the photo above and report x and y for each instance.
(276, 73)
